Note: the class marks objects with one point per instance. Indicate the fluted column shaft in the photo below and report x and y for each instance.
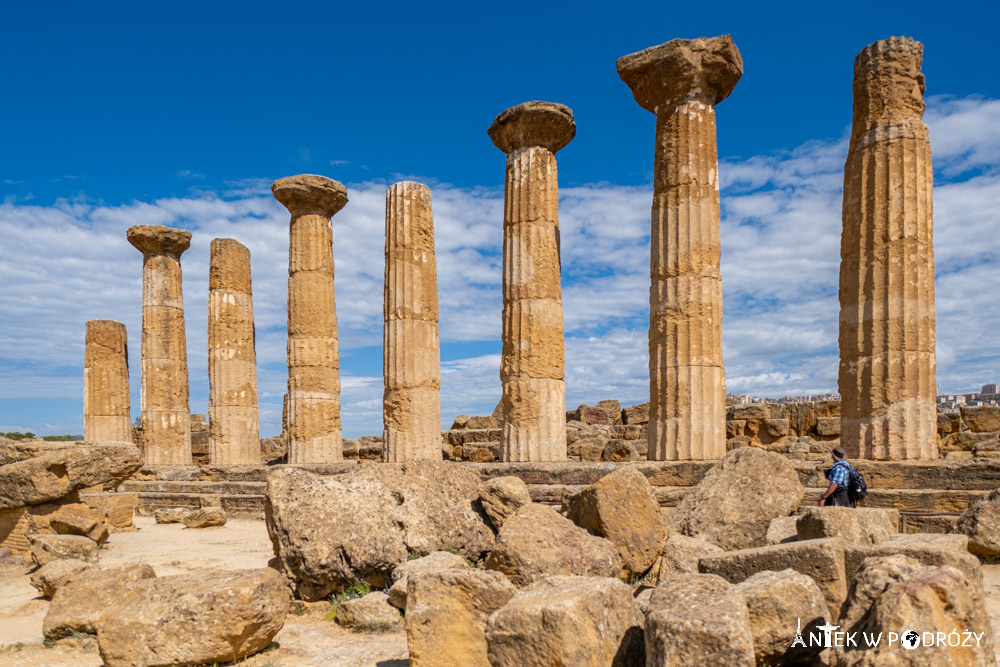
(106, 400)
(411, 354)
(532, 365)
(681, 82)
(887, 373)
(314, 428)
(166, 425)
(232, 360)
(687, 382)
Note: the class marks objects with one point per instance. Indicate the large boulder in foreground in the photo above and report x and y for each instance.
(435, 562)
(193, 619)
(981, 523)
(698, 620)
(79, 604)
(446, 613)
(331, 532)
(735, 502)
(538, 542)
(65, 469)
(778, 602)
(681, 555)
(622, 507)
(565, 620)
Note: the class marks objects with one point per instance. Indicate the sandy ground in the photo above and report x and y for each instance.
(307, 639)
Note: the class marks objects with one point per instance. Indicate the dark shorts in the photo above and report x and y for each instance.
(839, 499)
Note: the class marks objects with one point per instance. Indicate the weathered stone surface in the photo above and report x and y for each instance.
(205, 517)
(368, 611)
(782, 529)
(106, 399)
(434, 562)
(69, 519)
(737, 499)
(777, 601)
(927, 553)
(79, 604)
(314, 428)
(57, 573)
(959, 543)
(698, 620)
(47, 548)
(118, 509)
(232, 358)
(538, 542)
(166, 428)
(171, 514)
(57, 473)
(194, 618)
(981, 418)
(532, 365)
(622, 507)
(446, 614)
(861, 525)
(981, 524)
(625, 450)
(636, 414)
(501, 497)
(887, 317)
(329, 533)
(680, 82)
(823, 560)
(411, 406)
(681, 555)
(566, 620)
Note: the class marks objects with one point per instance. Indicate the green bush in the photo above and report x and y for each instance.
(17, 435)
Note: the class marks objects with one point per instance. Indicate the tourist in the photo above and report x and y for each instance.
(836, 494)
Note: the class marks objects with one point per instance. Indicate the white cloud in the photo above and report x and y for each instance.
(70, 262)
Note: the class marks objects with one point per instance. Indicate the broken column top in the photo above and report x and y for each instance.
(888, 85)
(310, 194)
(705, 69)
(230, 265)
(108, 333)
(159, 240)
(544, 124)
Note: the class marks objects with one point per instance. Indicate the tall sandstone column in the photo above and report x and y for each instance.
(106, 401)
(313, 352)
(681, 82)
(532, 367)
(887, 325)
(411, 351)
(166, 418)
(232, 360)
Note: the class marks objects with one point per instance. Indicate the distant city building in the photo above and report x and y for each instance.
(951, 402)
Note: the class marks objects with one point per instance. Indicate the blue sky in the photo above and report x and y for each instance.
(121, 114)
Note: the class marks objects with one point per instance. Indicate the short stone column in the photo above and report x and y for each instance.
(681, 82)
(106, 400)
(532, 367)
(234, 426)
(166, 419)
(314, 432)
(411, 351)
(887, 323)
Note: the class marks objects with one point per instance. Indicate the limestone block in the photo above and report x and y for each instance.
(928, 553)
(981, 418)
(501, 497)
(565, 620)
(783, 529)
(77, 605)
(106, 398)
(57, 573)
(537, 542)
(171, 514)
(367, 611)
(823, 560)
(434, 562)
(777, 602)
(47, 548)
(194, 618)
(204, 517)
(625, 450)
(636, 414)
(72, 518)
(446, 614)
(696, 620)
(862, 525)
(681, 555)
(622, 507)
(981, 524)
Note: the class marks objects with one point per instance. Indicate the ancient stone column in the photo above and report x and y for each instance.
(166, 426)
(106, 401)
(887, 325)
(313, 353)
(234, 424)
(411, 354)
(681, 82)
(532, 367)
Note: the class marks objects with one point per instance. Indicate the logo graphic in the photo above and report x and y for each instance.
(911, 639)
(799, 641)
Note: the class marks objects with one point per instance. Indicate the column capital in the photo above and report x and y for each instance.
(159, 240)
(705, 70)
(310, 194)
(544, 124)
(888, 84)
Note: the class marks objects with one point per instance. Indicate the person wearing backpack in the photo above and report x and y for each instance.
(837, 494)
